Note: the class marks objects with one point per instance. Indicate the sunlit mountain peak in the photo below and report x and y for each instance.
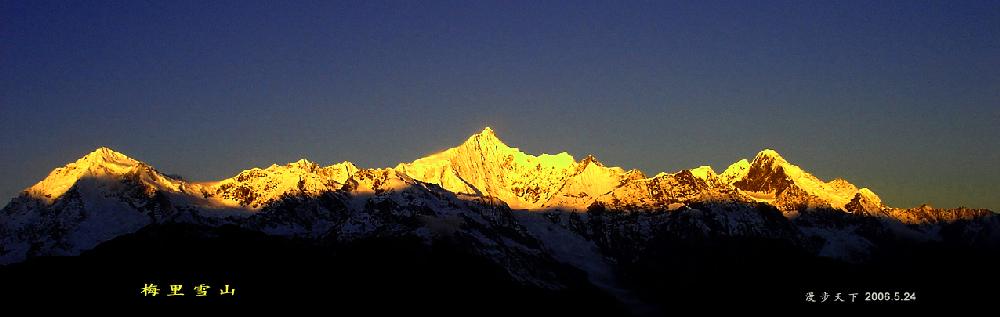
(106, 155)
(97, 164)
(485, 140)
(769, 155)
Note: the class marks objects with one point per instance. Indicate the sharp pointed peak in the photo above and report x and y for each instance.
(98, 163)
(107, 155)
(590, 159)
(487, 136)
(487, 132)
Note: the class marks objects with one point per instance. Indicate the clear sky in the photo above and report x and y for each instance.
(902, 97)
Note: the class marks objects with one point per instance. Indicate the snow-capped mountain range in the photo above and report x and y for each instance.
(525, 213)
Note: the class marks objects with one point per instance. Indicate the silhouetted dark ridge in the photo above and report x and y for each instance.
(401, 274)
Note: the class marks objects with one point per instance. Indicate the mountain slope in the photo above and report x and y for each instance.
(771, 175)
(485, 166)
(544, 222)
(100, 196)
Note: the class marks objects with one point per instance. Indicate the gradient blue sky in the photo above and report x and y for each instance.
(902, 97)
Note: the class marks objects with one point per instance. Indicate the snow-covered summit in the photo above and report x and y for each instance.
(486, 139)
(481, 166)
(770, 155)
(706, 173)
(303, 164)
(108, 156)
(484, 165)
(102, 195)
(99, 163)
(256, 187)
(869, 195)
(771, 175)
(487, 131)
(866, 203)
(736, 171)
(598, 218)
